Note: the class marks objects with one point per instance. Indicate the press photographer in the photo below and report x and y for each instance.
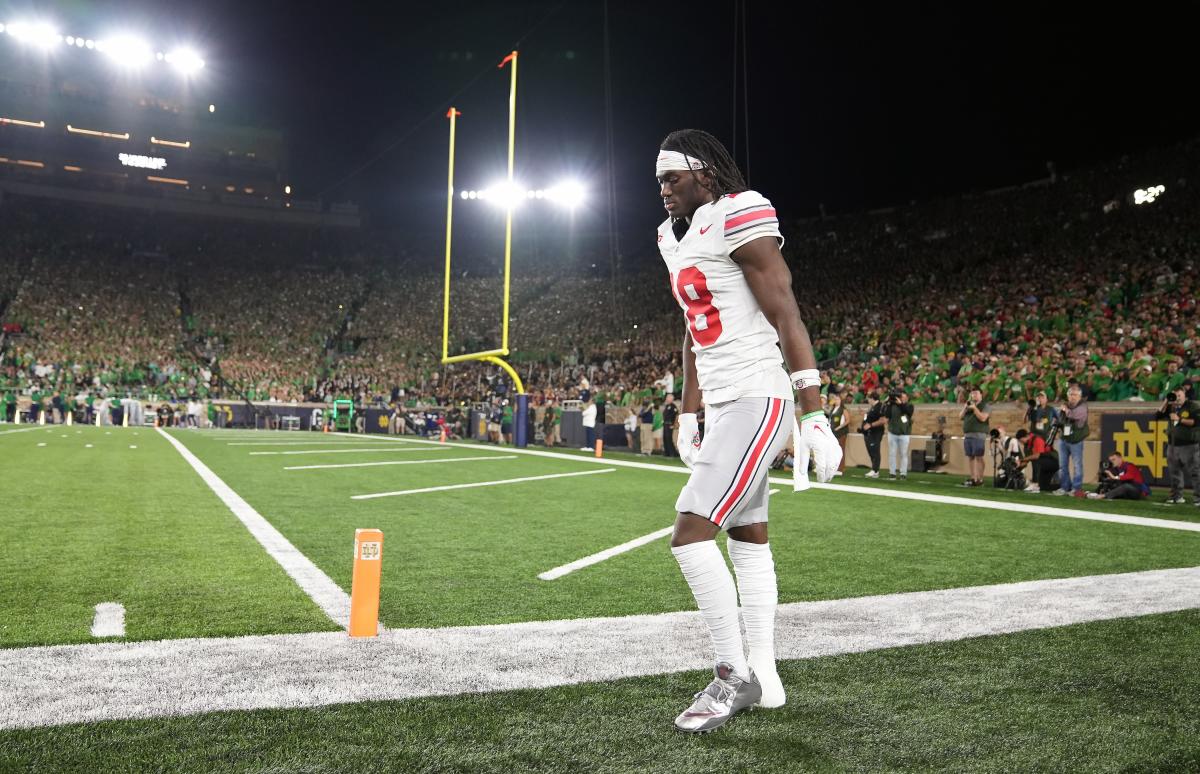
(1120, 480)
(1073, 421)
(872, 431)
(975, 416)
(1041, 416)
(1041, 457)
(899, 414)
(1183, 450)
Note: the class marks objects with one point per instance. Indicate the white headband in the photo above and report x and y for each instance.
(674, 160)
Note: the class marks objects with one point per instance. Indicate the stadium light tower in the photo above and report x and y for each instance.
(185, 60)
(127, 51)
(569, 194)
(40, 34)
(504, 195)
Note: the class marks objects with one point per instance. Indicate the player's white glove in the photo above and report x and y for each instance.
(813, 439)
(689, 439)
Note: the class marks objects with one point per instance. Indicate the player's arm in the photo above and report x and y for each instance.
(770, 281)
(690, 402)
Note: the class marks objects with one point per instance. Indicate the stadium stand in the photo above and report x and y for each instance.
(1081, 283)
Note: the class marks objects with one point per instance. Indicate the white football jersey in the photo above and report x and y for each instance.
(737, 350)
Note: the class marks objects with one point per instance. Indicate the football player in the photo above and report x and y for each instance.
(721, 244)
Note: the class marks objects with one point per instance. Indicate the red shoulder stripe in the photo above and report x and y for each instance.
(749, 216)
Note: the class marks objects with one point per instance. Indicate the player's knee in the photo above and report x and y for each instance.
(692, 528)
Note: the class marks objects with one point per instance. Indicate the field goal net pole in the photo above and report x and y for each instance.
(493, 356)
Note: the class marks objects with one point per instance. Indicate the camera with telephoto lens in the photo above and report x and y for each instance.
(1105, 484)
(893, 395)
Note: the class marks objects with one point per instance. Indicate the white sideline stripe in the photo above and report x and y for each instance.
(607, 553)
(401, 462)
(1017, 507)
(109, 620)
(48, 686)
(310, 578)
(481, 483)
(389, 449)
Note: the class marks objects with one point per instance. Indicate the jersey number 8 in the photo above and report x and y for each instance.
(704, 319)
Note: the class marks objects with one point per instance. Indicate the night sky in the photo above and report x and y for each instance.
(849, 105)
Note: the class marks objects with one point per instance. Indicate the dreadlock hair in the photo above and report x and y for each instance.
(723, 173)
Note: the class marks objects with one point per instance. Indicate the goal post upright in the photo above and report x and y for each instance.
(493, 356)
(452, 114)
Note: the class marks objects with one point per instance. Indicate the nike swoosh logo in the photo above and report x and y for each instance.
(706, 228)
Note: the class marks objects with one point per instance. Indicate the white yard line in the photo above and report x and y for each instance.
(109, 620)
(481, 483)
(402, 462)
(310, 578)
(296, 443)
(1019, 506)
(607, 553)
(284, 435)
(22, 430)
(48, 686)
(388, 449)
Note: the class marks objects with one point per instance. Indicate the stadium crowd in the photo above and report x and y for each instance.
(1013, 292)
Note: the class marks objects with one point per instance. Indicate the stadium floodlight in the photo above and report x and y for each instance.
(1148, 195)
(185, 60)
(40, 34)
(126, 50)
(504, 195)
(569, 194)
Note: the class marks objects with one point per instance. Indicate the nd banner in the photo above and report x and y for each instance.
(1140, 439)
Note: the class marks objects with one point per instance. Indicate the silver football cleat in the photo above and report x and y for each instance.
(724, 697)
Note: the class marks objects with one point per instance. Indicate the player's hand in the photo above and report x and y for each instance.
(816, 442)
(689, 439)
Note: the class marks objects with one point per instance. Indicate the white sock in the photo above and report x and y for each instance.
(756, 585)
(712, 585)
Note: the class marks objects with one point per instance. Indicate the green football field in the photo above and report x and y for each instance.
(89, 515)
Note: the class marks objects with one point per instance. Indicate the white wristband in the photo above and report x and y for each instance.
(809, 377)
